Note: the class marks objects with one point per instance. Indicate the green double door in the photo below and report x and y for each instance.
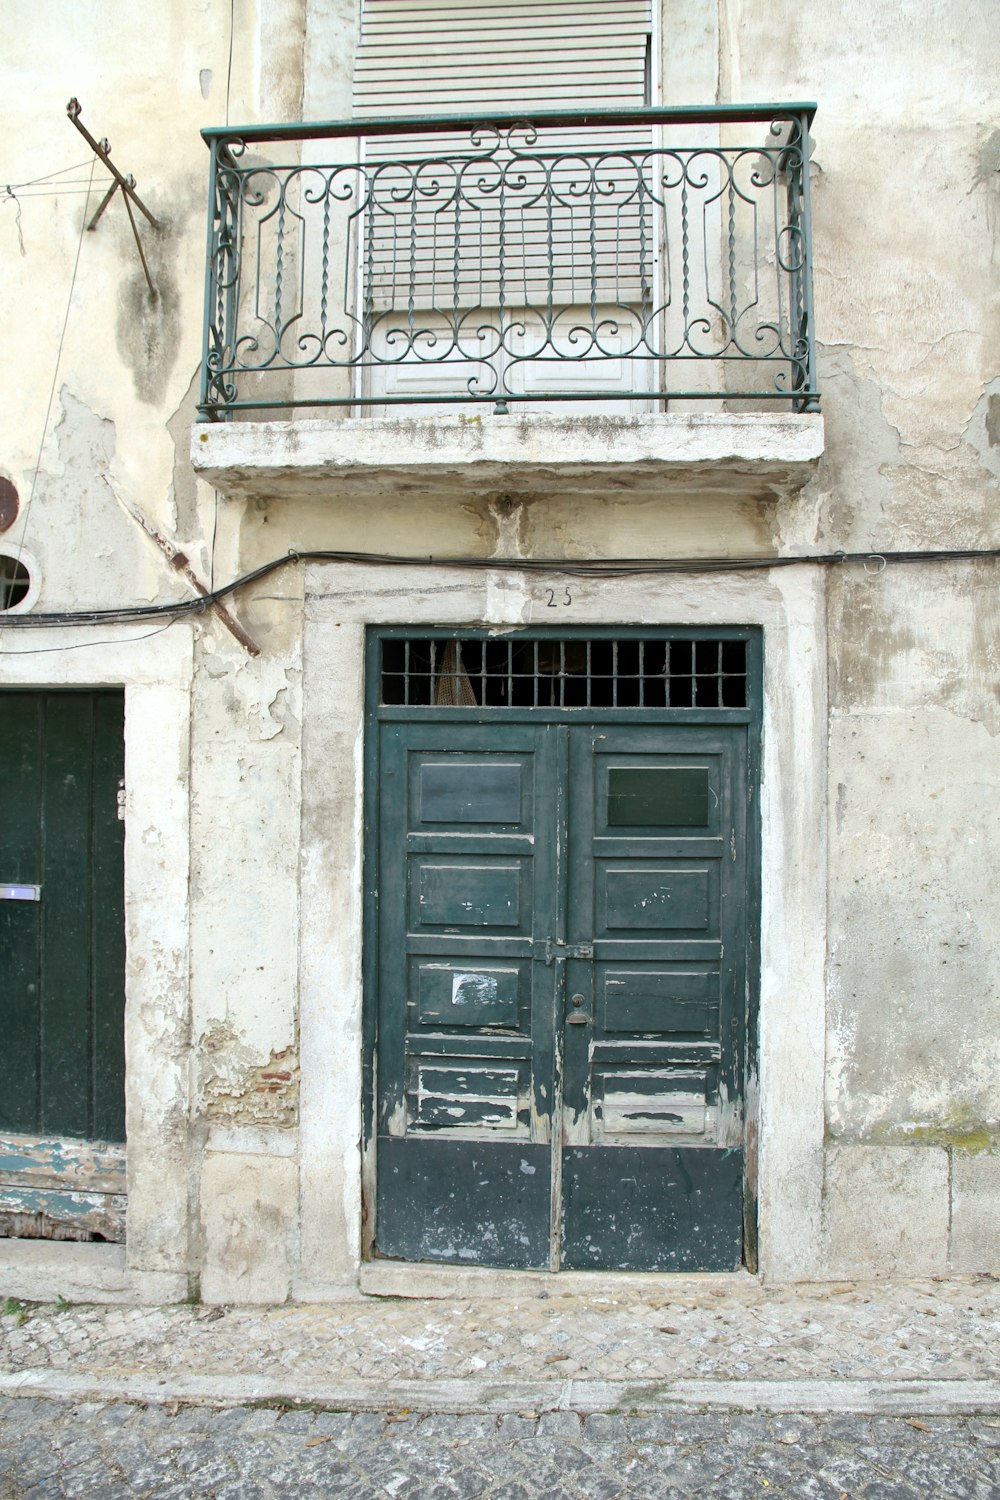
(560, 993)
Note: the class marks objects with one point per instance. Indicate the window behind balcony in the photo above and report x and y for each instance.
(490, 249)
(438, 57)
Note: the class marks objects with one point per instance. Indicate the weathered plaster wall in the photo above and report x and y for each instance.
(244, 990)
(128, 356)
(906, 198)
(246, 824)
(906, 194)
(213, 753)
(244, 919)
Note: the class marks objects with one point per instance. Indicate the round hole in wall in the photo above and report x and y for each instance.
(18, 581)
(9, 503)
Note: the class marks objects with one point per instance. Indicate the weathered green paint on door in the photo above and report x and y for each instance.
(62, 956)
(560, 986)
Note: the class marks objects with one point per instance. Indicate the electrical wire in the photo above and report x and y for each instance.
(215, 533)
(20, 194)
(57, 184)
(10, 197)
(84, 645)
(48, 176)
(55, 372)
(607, 567)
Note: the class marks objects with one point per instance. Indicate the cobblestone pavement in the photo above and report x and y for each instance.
(118, 1451)
(932, 1345)
(883, 1391)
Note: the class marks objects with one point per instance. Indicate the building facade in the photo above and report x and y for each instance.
(570, 844)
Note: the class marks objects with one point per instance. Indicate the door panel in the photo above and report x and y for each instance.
(634, 1209)
(562, 920)
(464, 1202)
(449, 995)
(646, 1073)
(655, 896)
(683, 998)
(465, 1017)
(451, 894)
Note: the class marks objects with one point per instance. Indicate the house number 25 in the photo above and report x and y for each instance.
(558, 598)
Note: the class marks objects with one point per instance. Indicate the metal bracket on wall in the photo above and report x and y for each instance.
(179, 560)
(102, 149)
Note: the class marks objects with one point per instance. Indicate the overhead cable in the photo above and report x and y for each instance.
(604, 567)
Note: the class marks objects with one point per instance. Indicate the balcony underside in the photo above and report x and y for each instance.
(757, 456)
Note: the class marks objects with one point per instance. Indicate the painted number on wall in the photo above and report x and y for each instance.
(558, 598)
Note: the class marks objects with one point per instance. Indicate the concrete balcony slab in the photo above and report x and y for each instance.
(767, 456)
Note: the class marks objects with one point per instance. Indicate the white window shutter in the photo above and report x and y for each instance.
(427, 57)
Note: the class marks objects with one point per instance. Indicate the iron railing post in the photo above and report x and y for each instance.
(207, 412)
(218, 384)
(811, 396)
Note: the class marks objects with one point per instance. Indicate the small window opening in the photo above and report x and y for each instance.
(15, 581)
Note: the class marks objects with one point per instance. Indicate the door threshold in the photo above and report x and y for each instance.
(394, 1278)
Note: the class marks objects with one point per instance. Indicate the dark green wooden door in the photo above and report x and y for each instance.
(561, 993)
(652, 1166)
(62, 929)
(467, 885)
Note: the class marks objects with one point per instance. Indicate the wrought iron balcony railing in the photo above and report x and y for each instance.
(636, 256)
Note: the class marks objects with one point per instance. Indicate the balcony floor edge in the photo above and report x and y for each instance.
(768, 455)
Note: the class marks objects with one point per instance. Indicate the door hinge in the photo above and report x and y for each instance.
(121, 800)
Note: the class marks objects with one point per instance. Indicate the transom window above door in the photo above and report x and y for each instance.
(564, 673)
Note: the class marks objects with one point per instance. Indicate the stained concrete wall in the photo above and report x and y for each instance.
(212, 1026)
(906, 199)
(243, 1173)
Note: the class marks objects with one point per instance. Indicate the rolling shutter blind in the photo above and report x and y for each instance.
(436, 234)
(422, 57)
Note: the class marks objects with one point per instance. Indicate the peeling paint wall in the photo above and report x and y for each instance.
(213, 752)
(239, 1089)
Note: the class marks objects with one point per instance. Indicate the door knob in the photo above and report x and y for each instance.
(577, 1019)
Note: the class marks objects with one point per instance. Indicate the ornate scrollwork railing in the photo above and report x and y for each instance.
(637, 256)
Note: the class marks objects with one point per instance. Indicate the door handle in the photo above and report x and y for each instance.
(576, 1017)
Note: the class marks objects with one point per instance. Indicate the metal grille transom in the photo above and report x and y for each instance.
(563, 673)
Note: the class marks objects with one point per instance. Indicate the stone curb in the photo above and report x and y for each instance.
(884, 1397)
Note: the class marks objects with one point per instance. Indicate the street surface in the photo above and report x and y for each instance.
(120, 1451)
(715, 1387)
